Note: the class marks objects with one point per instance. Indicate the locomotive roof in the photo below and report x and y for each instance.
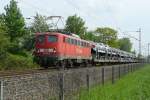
(58, 33)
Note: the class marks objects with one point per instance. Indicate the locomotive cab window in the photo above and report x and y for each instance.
(72, 41)
(52, 38)
(75, 42)
(65, 40)
(82, 43)
(78, 42)
(40, 38)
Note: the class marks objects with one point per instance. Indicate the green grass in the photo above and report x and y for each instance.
(134, 86)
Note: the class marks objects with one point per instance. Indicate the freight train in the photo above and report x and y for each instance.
(62, 50)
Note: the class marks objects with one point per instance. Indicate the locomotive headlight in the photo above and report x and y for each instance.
(41, 50)
(54, 50)
(50, 50)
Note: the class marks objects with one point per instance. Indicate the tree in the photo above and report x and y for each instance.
(125, 44)
(75, 24)
(4, 41)
(107, 36)
(29, 42)
(14, 21)
(39, 24)
(91, 36)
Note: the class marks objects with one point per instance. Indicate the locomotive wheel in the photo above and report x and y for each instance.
(69, 64)
(60, 65)
(57, 65)
(85, 64)
(43, 64)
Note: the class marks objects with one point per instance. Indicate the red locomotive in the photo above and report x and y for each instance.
(57, 49)
(61, 50)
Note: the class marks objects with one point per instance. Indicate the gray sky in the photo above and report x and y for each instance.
(123, 15)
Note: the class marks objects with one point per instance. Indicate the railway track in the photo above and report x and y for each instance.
(24, 72)
(10, 73)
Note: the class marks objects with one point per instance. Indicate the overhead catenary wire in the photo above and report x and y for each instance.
(79, 11)
(37, 8)
(70, 2)
(114, 21)
(143, 45)
(42, 10)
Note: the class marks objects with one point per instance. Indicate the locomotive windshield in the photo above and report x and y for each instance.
(40, 38)
(52, 38)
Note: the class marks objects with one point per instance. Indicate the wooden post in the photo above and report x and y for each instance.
(124, 69)
(131, 67)
(128, 68)
(61, 84)
(103, 72)
(119, 72)
(1, 90)
(88, 81)
(113, 75)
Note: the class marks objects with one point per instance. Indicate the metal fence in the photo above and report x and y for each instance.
(60, 85)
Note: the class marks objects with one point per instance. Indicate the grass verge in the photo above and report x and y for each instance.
(134, 86)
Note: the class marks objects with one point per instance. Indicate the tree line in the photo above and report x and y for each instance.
(17, 39)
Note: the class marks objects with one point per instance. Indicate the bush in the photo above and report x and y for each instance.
(4, 43)
(17, 62)
(29, 42)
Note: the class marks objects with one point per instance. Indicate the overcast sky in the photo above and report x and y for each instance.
(123, 15)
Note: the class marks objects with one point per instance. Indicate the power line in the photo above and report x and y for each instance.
(111, 14)
(80, 10)
(52, 10)
(72, 4)
(35, 7)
